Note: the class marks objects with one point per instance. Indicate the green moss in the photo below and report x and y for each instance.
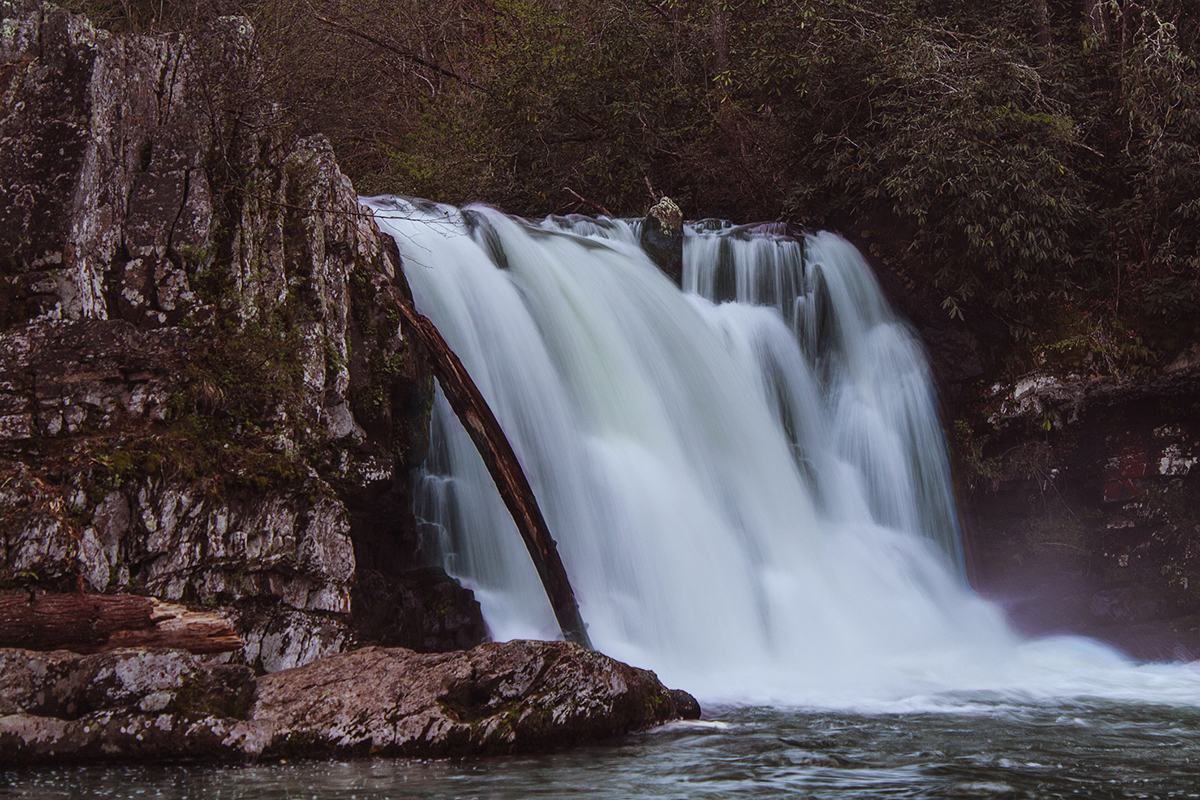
(244, 385)
(190, 447)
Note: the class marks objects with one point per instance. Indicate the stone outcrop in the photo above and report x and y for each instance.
(1084, 514)
(498, 698)
(662, 238)
(200, 399)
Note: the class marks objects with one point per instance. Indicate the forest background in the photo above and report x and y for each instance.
(1035, 164)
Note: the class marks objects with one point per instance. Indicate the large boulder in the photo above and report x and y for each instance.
(498, 698)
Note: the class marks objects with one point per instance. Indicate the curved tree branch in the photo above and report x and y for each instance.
(473, 411)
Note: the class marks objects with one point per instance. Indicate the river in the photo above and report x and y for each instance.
(987, 749)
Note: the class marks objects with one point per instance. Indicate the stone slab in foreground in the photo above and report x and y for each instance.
(164, 704)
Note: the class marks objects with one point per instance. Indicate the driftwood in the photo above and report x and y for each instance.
(473, 411)
(95, 623)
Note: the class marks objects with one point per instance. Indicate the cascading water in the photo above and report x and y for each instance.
(874, 426)
(751, 497)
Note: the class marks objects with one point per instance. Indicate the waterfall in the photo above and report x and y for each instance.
(747, 479)
(859, 406)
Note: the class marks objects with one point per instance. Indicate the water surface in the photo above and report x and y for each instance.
(989, 749)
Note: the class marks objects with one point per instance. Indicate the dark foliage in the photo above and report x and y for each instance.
(1034, 161)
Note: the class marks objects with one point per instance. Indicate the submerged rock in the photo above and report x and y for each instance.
(497, 698)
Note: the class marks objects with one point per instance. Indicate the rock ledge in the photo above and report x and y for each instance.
(498, 698)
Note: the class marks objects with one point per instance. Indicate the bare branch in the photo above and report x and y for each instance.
(407, 56)
(594, 205)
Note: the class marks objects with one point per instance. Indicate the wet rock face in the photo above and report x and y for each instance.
(662, 238)
(70, 686)
(498, 698)
(124, 704)
(425, 610)
(1090, 522)
(199, 397)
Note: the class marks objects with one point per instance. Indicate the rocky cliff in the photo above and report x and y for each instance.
(200, 399)
(1082, 505)
(1078, 484)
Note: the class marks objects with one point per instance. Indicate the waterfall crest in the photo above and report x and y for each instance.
(747, 480)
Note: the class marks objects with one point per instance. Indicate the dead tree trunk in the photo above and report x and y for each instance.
(95, 623)
(473, 411)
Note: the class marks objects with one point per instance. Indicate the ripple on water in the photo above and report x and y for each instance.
(1082, 749)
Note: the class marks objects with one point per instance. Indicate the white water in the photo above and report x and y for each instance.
(751, 498)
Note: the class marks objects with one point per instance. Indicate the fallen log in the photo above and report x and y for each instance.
(96, 623)
(493, 446)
